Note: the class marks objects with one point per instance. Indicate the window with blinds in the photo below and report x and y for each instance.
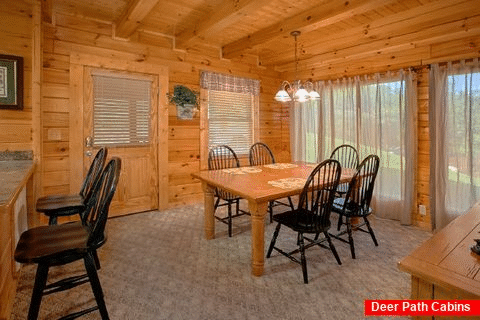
(230, 120)
(121, 110)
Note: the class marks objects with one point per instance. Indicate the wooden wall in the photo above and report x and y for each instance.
(423, 155)
(16, 39)
(68, 35)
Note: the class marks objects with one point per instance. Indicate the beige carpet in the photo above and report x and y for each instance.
(158, 265)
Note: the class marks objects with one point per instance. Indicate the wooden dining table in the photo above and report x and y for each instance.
(258, 185)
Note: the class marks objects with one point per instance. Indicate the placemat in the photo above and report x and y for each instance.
(288, 183)
(242, 170)
(281, 165)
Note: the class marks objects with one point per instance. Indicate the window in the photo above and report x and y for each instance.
(463, 144)
(121, 110)
(230, 117)
(383, 132)
(339, 115)
(454, 128)
(304, 132)
(377, 116)
(230, 120)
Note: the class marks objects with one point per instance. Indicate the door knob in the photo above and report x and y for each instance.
(89, 142)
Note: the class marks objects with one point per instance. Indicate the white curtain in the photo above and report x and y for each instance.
(455, 140)
(387, 125)
(375, 114)
(304, 134)
(339, 100)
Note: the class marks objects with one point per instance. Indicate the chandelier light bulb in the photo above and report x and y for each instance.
(301, 95)
(282, 96)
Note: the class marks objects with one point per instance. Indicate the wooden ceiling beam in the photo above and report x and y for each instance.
(132, 16)
(227, 14)
(311, 19)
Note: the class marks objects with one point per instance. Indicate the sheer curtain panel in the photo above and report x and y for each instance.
(455, 140)
(304, 131)
(376, 115)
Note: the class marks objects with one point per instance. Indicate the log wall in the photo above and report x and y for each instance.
(66, 34)
(16, 34)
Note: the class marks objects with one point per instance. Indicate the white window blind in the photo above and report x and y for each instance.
(121, 110)
(230, 120)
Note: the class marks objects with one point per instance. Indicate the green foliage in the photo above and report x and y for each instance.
(183, 95)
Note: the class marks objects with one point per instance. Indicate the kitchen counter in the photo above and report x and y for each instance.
(14, 175)
(16, 201)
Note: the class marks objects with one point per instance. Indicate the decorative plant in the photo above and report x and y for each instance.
(184, 96)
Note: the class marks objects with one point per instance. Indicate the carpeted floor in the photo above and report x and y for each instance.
(158, 265)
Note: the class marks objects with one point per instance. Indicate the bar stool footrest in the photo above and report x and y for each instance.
(78, 314)
(65, 284)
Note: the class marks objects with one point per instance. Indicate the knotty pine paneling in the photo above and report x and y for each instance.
(423, 158)
(16, 34)
(70, 36)
(73, 34)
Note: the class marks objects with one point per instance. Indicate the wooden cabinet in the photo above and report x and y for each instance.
(16, 178)
(444, 267)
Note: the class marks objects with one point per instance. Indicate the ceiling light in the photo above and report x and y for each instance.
(296, 91)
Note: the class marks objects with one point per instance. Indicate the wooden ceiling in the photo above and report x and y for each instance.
(332, 31)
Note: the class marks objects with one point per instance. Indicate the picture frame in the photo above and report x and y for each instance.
(11, 82)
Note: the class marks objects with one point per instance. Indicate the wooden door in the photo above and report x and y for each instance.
(137, 190)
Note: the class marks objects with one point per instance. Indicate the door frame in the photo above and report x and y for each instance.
(78, 62)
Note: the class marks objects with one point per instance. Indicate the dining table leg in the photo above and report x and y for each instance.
(209, 212)
(258, 210)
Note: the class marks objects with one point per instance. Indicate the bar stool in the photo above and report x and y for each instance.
(54, 206)
(56, 245)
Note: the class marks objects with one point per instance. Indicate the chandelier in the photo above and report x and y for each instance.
(296, 91)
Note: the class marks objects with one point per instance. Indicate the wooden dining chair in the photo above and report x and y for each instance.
(356, 204)
(54, 206)
(261, 154)
(312, 215)
(347, 155)
(223, 157)
(58, 245)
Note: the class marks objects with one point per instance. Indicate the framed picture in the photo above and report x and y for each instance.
(11, 82)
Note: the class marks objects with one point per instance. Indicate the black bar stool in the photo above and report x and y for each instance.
(56, 245)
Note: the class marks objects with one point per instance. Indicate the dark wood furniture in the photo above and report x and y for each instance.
(54, 206)
(261, 154)
(223, 157)
(56, 245)
(356, 204)
(444, 267)
(312, 215)
(348, 157)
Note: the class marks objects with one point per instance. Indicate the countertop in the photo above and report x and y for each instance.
(13, 176)
(446, 259)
